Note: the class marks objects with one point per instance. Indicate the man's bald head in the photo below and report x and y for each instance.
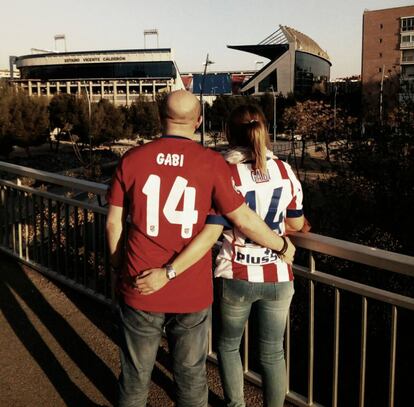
(181, 112)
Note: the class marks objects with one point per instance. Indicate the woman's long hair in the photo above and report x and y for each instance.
(247, 127)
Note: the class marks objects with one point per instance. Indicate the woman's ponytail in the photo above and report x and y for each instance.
(247, 128)
(256, 134)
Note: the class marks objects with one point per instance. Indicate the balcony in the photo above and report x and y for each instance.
(333, 334)
(407, 40)
(407, 59)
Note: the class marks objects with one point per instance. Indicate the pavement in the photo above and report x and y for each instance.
(58, 348)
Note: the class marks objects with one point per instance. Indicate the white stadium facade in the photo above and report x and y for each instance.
(121, 76)
(296, 65)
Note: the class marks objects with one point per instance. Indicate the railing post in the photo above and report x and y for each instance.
(19, 219)
(336, 348)
(363, 352)
(287, 352)
(393, 352)
(311, 330)
(26, 225)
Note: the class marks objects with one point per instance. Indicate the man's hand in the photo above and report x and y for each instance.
(289, 255)
(150, 281)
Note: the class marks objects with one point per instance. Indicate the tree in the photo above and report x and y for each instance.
(144, 118)
(29, 120)
(6, 136)
(107, 123)
(317, 121)
(62, 114)
(221, 108)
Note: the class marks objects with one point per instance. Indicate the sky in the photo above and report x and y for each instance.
(192, 28)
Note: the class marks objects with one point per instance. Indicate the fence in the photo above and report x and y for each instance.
(63, 237)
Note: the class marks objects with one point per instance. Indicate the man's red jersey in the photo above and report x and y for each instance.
(168, 187)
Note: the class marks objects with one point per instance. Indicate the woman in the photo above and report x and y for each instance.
(251, 274)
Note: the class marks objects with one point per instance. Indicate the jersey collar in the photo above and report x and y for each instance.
(176, 137)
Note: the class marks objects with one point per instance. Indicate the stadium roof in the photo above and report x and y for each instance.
(275, 44)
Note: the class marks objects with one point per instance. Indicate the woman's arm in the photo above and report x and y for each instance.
(294, 224)
(300, 224)
(153, 279)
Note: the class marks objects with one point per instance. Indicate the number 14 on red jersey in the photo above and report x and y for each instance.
(187, 217)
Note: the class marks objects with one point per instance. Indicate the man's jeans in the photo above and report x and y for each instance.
(272, 301)
(140, 337)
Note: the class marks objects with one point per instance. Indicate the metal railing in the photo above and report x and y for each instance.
(64, 238)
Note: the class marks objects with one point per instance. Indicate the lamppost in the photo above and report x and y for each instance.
(203, 128)
(88, 98)
(381, 113)
(274, 116)
(334, 118)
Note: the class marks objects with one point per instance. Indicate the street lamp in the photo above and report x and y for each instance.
(88, 98)
(203, 128)
(381, 95)
(274, 116)
(334, 118)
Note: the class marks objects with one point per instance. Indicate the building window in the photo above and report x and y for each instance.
(379, 70)
(407, 24)
(380, 40)
(381, 26)
(268, 83)
(380, 54)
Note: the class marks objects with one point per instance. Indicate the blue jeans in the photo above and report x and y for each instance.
(272, 301)
(141, 333)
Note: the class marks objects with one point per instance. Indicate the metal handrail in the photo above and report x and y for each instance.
(57, 179)
(64, 239)
(370, 256)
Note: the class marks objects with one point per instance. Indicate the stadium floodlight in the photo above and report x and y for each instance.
(151, 31)
(60, 37)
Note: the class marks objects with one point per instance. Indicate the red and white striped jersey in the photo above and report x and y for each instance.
(274, 196)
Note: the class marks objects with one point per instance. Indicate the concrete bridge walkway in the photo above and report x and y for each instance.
(57, 348)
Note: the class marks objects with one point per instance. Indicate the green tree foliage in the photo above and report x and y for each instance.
(144, 119)
(221, 108)
(26, 120)
(6, 135)
(63, 112)
(318, 121)
(370, 199)
(107, 123)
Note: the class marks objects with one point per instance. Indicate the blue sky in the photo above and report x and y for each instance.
(192, 28)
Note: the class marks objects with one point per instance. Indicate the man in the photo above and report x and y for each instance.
(168, 187)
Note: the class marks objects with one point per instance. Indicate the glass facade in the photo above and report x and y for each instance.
(269, 83)
(214, 84)
(311, 74)
(161, 69)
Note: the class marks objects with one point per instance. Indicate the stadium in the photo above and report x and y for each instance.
(120, 76)
(298, 65)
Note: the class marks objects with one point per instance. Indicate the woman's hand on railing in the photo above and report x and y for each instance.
(306, 226)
